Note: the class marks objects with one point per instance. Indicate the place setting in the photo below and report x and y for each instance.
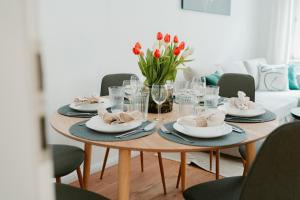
(241, 109)
(201, 124)
(84, 107)
(121, 122)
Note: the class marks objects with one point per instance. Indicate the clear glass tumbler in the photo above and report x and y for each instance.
(141, 102)
(211, 98)
(116, 94)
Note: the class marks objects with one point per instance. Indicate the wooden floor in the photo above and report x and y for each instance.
(147, 185)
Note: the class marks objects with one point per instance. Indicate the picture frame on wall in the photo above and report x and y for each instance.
(221, 7)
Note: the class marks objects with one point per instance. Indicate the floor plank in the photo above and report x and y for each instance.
(147, 185)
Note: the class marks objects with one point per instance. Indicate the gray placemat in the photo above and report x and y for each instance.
(229, 139)
(67, 111)
(268, 116)
(82, 131)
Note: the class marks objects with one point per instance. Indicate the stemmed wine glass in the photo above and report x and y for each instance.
(159, 93)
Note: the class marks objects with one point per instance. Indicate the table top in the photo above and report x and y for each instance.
(154, 142)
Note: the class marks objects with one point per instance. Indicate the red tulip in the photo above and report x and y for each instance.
(167, 38)
(175, 40)
(137, 45)
(159, 36)
(136, 51)
(177, 51)
(182, 45)
(156, 53)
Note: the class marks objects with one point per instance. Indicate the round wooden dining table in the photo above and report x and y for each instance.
(155, 143)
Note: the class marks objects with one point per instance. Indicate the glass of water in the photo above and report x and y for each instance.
(116, 94)
(141, 101)
(211, 98)
(198, 86)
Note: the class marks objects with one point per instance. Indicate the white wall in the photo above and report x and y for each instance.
(83, 40)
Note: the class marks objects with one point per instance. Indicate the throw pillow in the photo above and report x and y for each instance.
(273, 77)
(252, 68)
(293, 82)
(234, 67)
(213, 79)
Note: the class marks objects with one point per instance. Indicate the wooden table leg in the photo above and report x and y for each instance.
(250, 155)
(217, 164)
(124, 174)
(87, 164)
(183, 170)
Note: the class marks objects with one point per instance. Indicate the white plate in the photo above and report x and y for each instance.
(97, 124)
(204, 132)
(296, 112)
(258, 110)
(91, 107)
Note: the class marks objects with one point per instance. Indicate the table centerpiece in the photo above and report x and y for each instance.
(161, 63)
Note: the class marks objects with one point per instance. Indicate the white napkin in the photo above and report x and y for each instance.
(241, 102)
(86, 100)
(118, 118)
(206, 118)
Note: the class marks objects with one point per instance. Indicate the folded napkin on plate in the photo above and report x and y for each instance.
(206, 118)
(241, 102)
(118, 118)
(86, 100)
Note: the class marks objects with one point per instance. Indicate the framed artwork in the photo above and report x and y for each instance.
(221, 7)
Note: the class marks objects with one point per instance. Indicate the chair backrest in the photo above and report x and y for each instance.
(113, 80)
(275, 173)
(231, 83)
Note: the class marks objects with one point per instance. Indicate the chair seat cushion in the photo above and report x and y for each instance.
(223, 189)
(242, 148)
(67, 192)
(66, 159)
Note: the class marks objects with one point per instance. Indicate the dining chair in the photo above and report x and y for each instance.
(275, 173)
(117, 80)
(67, 192)
(67, 159)
(230, 84)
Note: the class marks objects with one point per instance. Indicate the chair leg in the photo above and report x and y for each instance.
(217, 163)
(161, 168)
(178, 177)
(79, 177)
(211, 155)
(58, 180)
(142, 160)
(245, 167)
(104, 162)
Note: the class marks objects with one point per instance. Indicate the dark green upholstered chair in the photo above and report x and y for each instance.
(229, 85)
(275, 173)
(117, 80)
(67, 192)
(67, 159)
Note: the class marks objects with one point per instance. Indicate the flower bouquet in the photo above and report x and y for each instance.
(161, 64)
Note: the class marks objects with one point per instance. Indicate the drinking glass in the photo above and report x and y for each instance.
(141, 101)
(180, 89)
(198, 86)
(116, 94)
(130, 89)
(159, 95)
(211, 98)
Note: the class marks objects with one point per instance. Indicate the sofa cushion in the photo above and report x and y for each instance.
(234, 67)
(252, 67)
(278, 102)
(273, 77)
(293, 82)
